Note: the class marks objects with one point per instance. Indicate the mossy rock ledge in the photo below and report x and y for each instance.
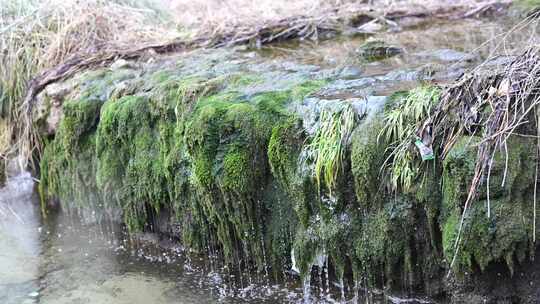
(265, 164)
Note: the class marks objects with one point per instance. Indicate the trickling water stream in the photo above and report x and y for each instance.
(61, 260)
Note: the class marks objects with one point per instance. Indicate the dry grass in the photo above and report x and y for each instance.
(37, 35)
(221, 14)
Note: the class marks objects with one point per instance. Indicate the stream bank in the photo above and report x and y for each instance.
(273, 165)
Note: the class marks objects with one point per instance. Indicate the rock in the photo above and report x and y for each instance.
(53, 119)
(14, 166)
(371, 27)
(120, 64)
(57, 90)
(33, 294)
(374, 50)
(248, 131)
(350, 72)
(48, 108)
(446, 55)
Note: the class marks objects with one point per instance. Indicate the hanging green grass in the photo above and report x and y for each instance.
(329, 143)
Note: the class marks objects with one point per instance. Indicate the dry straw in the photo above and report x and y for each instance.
(39, 35)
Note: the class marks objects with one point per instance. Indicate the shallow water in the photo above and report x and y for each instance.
(62, 260)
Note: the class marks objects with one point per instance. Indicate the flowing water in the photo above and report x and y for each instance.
(62, 260)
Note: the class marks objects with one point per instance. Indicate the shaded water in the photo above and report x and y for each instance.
(62, 260)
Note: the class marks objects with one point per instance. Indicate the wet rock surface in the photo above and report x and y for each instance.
(373, 50)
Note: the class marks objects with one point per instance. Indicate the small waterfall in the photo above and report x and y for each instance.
(356, 290)
(266, 275)
(239, 266)
(321, 261)
(247, 252)
(327, 278)
(306, 287)
(342, 289)
(321, 285)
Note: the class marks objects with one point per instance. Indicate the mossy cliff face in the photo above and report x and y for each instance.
(498, 229)
(195, 144)
(255, 160)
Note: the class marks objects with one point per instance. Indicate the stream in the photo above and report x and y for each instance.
(63, 259)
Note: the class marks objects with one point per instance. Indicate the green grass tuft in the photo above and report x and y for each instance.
(401, 120)
(328, 145)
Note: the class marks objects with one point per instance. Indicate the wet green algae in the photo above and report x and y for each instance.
(188, 145)
(500, 229)
(231, 168)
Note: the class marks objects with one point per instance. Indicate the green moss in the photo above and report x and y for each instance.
(505, 233)
(384, 244)
(237, 168)
(227, 138)
(244, 80)
(145, 149)
(121, 121)
(503, 237)
(80, 116)
(68, 163)
(367, 157)
(450, 232)
(131, 155)
(283, 151)
(272, 101)
(458, 173)
(202, 170)
(526, 4)
(372, 245)
(306, 88)
(284, 148)
(68, 176)
(281, 225)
